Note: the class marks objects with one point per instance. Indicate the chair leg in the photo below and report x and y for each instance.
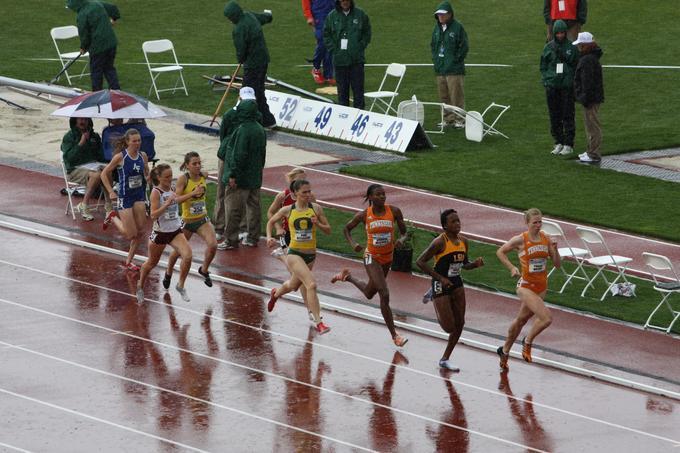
(186, 93)
(590, 282)
(69, 203)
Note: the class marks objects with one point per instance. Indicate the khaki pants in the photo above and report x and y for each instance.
(450, 88)
(593, 131)
(238, 202)
(218, 221)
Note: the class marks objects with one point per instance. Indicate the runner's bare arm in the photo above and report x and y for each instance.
(502, 253)
(399, 218)
(479, 262)
(423, 261)
(321, 220)
(106, 175)
(358, 218)
(273, 208)
(283, 212)
(554, 254)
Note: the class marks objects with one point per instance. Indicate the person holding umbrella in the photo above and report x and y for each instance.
(95, 28)
(133, 171)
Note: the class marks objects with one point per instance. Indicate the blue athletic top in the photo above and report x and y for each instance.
(131, 177)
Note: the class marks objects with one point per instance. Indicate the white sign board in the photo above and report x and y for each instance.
(341, 122)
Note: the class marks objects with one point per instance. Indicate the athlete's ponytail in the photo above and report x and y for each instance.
(371, 189)
(156, 173)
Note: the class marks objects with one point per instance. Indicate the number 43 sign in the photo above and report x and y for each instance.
(343, 123)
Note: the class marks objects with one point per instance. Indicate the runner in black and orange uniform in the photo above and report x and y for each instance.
(533, 249)
(379, 219)
(450, 253)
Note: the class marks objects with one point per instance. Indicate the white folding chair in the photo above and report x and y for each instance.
(591, 237)
(160, 46)
(574, 253)
(384, 97)
(667, 282)
(64, 33)
(475, 126)
(414, 109)
(70, 188)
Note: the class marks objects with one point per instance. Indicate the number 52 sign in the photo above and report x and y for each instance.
(340, 122)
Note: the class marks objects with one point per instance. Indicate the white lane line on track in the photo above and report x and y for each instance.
(98, 419)
(183, 395)
(474, 203)
(272, 375)
(359, 314)
(13, 448)
(342, 351)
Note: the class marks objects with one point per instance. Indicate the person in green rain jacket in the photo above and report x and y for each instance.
(242, 175)
(558, 63)
(346, 35)
(95, 28)
(449, 47)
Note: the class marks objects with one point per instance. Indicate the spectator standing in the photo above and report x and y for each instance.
(81, 150)
(228, 126)
(558, 63)
(589, 92)
(315, 11)
(252, 53)
(242, 176)
(449, 48)
(346, 34)
(95, 28)
(572, 12)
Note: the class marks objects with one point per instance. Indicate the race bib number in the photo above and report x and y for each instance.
(454, 269)
(135, 182)
(303, 235)
(197, 208)
(382, 239)
(171, 213)
(561, 5)
(537, 265)
(437, 288)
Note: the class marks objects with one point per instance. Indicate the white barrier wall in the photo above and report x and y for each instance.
(340, 122)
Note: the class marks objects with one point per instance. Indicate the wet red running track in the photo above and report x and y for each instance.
(85, 368)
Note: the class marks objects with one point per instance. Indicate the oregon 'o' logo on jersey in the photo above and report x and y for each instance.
(302, 223)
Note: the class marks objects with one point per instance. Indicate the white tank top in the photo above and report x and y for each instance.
(169, 220)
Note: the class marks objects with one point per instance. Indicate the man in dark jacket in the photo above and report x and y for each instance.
(589, 92)
(558, 62)
(572, 12)
(449, 47)
(346, 34)
(95, 28)
(83, 156)
(316, 11)
(242, 175)
(252, 53)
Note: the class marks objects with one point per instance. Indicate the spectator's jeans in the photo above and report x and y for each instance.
(450, 88)
(561, 110)
(218, 220)
(593, 131)
(236, 202)
(255, 78)
(321, 55)
(101, 65)
(353, 76)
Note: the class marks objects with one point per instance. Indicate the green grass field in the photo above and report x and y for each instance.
(639, 111)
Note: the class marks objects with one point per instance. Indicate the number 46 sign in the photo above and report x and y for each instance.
(341, 122)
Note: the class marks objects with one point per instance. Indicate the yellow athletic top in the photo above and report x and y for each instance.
(302, 230)
(193, 209)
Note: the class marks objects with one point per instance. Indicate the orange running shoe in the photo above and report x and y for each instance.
(272, 300)
(322, 328)
(526, 350)
(400, 341)
(503, 358)
(318, 77)
(342, 276)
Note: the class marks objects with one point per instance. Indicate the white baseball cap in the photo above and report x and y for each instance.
(441, 11)
(583, 38)
(246, 93)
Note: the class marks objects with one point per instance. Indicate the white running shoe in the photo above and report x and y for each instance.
(447, 365)
(557, 149)
(140, 296)
(566, 149)
(183, 292)
(84, 212)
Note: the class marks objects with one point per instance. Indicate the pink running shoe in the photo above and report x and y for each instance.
(272, 300)
(109, 219)
(322, 328)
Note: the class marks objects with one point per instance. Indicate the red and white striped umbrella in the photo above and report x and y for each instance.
(111, 104)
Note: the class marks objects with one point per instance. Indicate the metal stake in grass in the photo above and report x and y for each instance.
(224, 96)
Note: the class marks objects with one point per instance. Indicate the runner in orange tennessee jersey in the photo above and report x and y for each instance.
(533, 249)
(379, 220)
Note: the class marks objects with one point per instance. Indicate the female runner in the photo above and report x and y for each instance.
(533, 249)
(379, 219)
(167, 228)
(194, 215)
(129, 216)
(450, 252)
(303, 218)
